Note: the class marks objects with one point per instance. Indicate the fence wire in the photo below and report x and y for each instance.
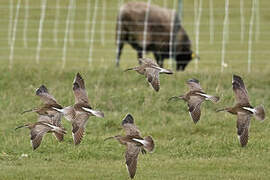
(29, 29)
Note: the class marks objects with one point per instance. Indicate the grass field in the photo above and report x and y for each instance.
(208, 150)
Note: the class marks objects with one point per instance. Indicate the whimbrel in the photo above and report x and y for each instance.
(79, 113)
(151, 70)
(243, 110)
(47, 109)
(194, 98)
(40, 128)
(134, 143)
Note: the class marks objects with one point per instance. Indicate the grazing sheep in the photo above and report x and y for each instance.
(130, 29)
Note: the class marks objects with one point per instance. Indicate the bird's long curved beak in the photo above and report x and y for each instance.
(30, 110)
(128, 69)
(219, 110)
(19, 127)
(174, 97)
(109, 138)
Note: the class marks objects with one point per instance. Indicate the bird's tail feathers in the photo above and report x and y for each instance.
(259, 113)
(60, 130)
(149, 145)
(94, 112)
(214, 99)
(166, 71)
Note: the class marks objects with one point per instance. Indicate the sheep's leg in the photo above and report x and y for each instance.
(119, 51)
(159, 59)
(139, 55)
(180, 66)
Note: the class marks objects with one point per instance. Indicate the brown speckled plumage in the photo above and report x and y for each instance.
(79, 113)
(151, 71)
(243, 110)
(194, 98)
(134, 143)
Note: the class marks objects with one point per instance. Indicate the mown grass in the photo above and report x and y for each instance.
(208, 150)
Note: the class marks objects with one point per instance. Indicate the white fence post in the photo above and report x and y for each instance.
(87, 22)
(171, 43)
(102, 28)
(257, 20)
(12, 42)
(26, 16)
(250, 33)
(146, 27)
(42, 17)
(71, 27)
(225, 36)
(92, 33)
(197, 38)
(55, 37)
(10, 21)
(66, 34)
(242, 18)
(211, 22)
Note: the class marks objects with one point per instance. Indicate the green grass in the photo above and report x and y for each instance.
(208, 150)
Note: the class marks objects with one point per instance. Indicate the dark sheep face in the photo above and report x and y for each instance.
(182, 60)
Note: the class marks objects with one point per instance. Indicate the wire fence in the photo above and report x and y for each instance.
(221, 32)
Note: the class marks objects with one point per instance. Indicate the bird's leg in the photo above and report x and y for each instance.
(143, 151)
(139, 55)
(30, 110)
(108, 138)
(223, 109)
(119, 51)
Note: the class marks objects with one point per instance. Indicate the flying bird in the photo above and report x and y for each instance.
(79, 113)
(134, 143)
(151, 71)
(47, 109)
(40, 128)
(194, 98)
(243, 110)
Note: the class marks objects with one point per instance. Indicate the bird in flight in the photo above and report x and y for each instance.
(243, 110)
(79, 113)
(47, 110)
(40, 128)
(134, 143)
(151, 70)
(194, 98)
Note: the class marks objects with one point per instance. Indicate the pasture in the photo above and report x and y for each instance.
(207, 150)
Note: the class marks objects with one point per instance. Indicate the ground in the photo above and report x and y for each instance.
(207, 150)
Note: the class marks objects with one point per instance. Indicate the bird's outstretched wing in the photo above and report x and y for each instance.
(78, 127)
(79, 90)
(37, 134)
(54, 120)
(131, 158)
(47, 98)
(240, 91)
(129, 126)
(243, 121)
(152, 76)
(194, 105)
(148, 62)
(194, 85)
